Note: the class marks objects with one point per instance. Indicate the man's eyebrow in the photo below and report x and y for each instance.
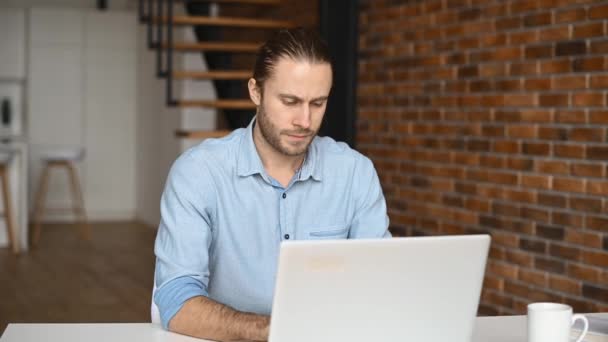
(293, 97)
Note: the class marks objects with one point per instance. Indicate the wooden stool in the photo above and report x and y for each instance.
(13, 238)
(65, 159)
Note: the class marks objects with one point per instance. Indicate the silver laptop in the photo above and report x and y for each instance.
(423, 289)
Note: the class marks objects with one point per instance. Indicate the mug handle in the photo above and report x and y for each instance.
(585, 323)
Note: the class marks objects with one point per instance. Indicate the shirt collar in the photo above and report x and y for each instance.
(249, 162)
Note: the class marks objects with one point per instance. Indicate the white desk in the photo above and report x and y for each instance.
(488, 329)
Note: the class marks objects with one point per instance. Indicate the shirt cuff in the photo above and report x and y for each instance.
(171, 297)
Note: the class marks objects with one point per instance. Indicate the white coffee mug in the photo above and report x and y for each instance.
(551, 322)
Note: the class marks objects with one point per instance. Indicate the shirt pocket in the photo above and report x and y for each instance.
(332, 232)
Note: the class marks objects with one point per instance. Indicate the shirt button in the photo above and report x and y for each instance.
(284, 195)
(286, 236)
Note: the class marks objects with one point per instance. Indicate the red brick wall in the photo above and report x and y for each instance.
(490, 116)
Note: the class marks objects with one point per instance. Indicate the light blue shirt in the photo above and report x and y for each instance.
(223, 218)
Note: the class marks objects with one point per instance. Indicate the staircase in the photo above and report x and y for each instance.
(226, 44)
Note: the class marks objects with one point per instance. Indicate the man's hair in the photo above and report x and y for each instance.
(299, 44)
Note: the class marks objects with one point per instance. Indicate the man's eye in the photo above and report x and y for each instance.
(317, 104)
(289, 103)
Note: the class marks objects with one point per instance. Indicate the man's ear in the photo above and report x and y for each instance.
(254, 92)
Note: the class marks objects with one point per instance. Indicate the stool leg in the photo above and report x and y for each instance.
(39, 206)
(8, 211)
(78, 202)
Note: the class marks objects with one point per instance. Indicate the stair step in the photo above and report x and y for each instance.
(219, 104)
(248, 2)
(201, 134)
(213, 75)
(228, 21)
(215, 46)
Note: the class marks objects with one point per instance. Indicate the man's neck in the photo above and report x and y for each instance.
(278, 165)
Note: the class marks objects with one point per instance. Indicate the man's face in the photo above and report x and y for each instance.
(291, 108)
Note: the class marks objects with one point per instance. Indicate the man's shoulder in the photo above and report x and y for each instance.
(214, 151)
(338, 153)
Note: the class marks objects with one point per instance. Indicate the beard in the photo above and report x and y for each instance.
(273, 135)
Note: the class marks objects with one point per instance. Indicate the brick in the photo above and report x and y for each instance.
(525, 196)
(518, 257)
(505, 146)
(534, 181)
(583, 272)
(586, 204)
(538, 51)
(598, 117)
(533, 277)
(508, 23)
(570, 15)
(503, 270)
(554, 33)
(552, 200)
(597, 152)
(569, 184)
(588, 30)
(517, 100)
(536, 246)
(552, 133)
(584, 238)
(508, 85)
(496, 162)
(538, 19)
(520, 164)
(595, 292)
(554, 66)
(587, 99)
(587, 134)
(588, 64)
(588, 170)
(478, 205)
(598, 81)
(505, 209)
(505, 239)
(538, 215)
(563, 284)
(570, 116)
(570, 48)
(597, 187)
(599, 46)
(537, 83)
(523, 6)
(598, 259)
(549, 265)
(570, 220)
(552, 100)
(598, 12)
(597, 223)
(516, 289)
(552, 167)
(540, 149)
(569, 82)
(569, 151)
(523, 68)
(525, 37)
(522, 131)
(550, 232)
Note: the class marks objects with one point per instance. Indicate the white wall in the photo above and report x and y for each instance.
(81, 4)
(82, 80)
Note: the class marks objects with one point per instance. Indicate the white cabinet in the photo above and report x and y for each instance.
(82, 86)
(12, 44)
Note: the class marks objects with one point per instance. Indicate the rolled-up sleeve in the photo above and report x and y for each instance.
(371, 219)
(184, 236)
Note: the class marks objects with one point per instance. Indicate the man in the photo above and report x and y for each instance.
(229, 203)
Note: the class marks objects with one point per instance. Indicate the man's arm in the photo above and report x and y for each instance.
(204, 318)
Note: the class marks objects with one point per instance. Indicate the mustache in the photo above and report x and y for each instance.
(299, 132)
